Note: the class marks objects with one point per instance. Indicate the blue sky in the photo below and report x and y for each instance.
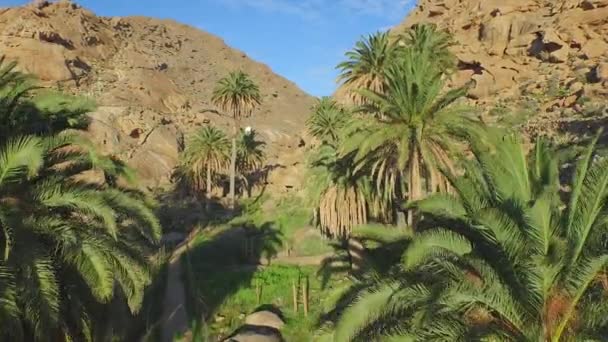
(302, 40)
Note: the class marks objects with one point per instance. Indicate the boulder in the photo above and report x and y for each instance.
(157, 157)
(103, 130)
(266, 319)
(495, 34)
(600, 73)
(595, 48)
(576, 87)
(252, 333)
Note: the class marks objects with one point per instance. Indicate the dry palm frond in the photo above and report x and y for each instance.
(341, 209)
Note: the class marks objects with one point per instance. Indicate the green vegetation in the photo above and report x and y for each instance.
(204, 157)
(270, 286)
(76, 254)
(504, 248)
(418, 221)
(226, 284)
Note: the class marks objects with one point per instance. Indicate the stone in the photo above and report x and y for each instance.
(158, 155)
(252, 333)
(595, 48)
(601, 72)
(570, 101)
(558, 49)
(576, 87)
(265, 318)
(495, 34)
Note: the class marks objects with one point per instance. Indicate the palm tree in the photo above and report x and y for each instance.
(26, 110)
(427, 38)
(327, 120)
(338, 197)
(250, 156)
(343, 199)
(206, 153)
(367, 65)
(415, 131)
(505, 257)
(537, 258)
(238, 95)
(66, 246)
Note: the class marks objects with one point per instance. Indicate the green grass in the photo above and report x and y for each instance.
(288, 216)
(291, 215)
(312, 245)
(233, 294)
(223, 284)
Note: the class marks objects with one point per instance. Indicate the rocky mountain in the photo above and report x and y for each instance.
(152, 80)
(545, 61)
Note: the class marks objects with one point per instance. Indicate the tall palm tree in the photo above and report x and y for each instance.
(206, 154)
(506, 257)
(238, 95)
(250, 158)
(66, 246)
(250, 151)
(367, 65)
(415, 131)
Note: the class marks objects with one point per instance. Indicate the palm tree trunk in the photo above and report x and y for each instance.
(415, 186)
(233, 165)
(356, 253)
(208, 204)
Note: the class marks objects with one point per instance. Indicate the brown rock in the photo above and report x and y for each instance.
(495, 34)
(157, 157)
(595, 48)
(570, 101)
(601, 73)
(266, 319)
(576, 87)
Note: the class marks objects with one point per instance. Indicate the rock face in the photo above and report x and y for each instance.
(152, 80)
(518, 51)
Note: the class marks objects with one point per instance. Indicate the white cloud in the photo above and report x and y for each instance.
(314, 9)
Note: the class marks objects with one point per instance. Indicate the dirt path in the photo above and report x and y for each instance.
(314, 260)
(175, 317)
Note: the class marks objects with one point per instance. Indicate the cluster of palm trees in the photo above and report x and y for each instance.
(210, 152)
(393, 131)
(74, 250)
(503, 249)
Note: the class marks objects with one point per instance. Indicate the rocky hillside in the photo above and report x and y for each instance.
(152, 80)
(539, 63)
